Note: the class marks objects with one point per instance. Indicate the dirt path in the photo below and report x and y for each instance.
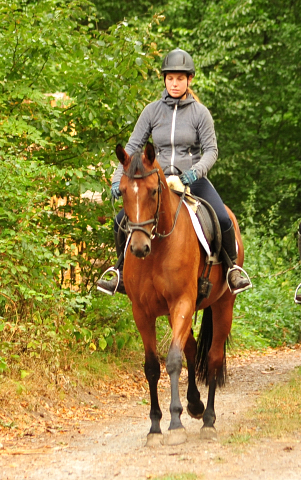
(113, 448)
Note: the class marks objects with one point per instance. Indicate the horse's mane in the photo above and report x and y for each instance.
(136, 164)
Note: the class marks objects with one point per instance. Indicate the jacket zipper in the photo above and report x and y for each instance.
(172, 138)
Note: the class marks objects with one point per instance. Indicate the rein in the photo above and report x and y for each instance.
(139, 226)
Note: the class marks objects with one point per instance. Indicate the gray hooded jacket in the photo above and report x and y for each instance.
(183, 135)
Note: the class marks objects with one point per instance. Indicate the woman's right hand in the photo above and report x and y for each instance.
(115, 190)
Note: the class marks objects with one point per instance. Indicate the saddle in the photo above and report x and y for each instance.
(208, 220)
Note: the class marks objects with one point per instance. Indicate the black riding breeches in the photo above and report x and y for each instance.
(204, 189)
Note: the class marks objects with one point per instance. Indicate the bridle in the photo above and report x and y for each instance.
(139, 226)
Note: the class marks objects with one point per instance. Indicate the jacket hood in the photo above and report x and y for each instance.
(171, 101)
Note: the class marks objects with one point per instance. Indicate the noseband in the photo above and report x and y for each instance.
(135, 226)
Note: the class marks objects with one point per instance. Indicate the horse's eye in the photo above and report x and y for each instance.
(154, 192)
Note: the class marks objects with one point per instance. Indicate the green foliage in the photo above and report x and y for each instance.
(107, 326)
(247, 56)
(267, 315)
(110, 321)
(68, 94)
(114, 11)
(3, 365)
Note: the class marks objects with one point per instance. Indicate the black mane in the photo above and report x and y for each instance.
(136, 164)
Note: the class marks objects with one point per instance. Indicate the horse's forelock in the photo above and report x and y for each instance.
(136, 164)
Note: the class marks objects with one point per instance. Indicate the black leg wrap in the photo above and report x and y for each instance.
(152, 373)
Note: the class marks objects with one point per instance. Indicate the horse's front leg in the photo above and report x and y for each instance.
(152, 373)
(195, 407)
(180, 320)
(176, 434)
(147, 329)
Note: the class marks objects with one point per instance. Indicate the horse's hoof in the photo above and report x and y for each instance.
(208, 433)
(154, 440)
(175, 437)
(196, 411)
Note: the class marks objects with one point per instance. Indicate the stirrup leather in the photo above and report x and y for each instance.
(116, 272)
(238, 290)
(296, 294)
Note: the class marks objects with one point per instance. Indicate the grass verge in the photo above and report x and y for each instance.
(277, 413)
(179, 476)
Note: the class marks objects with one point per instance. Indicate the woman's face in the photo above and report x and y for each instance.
(176, 84)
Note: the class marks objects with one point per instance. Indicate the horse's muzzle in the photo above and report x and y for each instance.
(140, 245)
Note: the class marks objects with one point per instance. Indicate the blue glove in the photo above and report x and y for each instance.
(188, 177)
(115, 190)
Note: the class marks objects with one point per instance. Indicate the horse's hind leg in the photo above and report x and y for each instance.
(208, 431)
(195, 407)
(217, 324)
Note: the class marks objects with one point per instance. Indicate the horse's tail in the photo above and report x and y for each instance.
(204, 342)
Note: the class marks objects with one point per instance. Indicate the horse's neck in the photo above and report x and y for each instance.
(168, 209)
(168, 205)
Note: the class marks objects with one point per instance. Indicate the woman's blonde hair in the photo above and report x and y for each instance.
(189, 90)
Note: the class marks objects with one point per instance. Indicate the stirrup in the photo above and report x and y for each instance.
(116, 272)
(296, 293)
(238, 290)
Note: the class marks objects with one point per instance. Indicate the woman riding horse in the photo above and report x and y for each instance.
(183, 133)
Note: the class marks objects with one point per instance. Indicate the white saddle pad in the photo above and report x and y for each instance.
(198, 229)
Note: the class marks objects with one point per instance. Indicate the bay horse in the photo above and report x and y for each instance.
(163, 261)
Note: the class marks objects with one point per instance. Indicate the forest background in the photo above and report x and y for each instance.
(74, 77)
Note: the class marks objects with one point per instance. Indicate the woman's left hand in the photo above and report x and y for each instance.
(188, 177)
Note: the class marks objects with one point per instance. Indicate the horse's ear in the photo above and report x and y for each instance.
(149, 152)
(122, 156)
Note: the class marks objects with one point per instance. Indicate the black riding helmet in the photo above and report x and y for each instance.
(178, 61)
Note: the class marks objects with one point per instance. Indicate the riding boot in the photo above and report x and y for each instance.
(236, 281)
(297, 294)
(115, 284)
